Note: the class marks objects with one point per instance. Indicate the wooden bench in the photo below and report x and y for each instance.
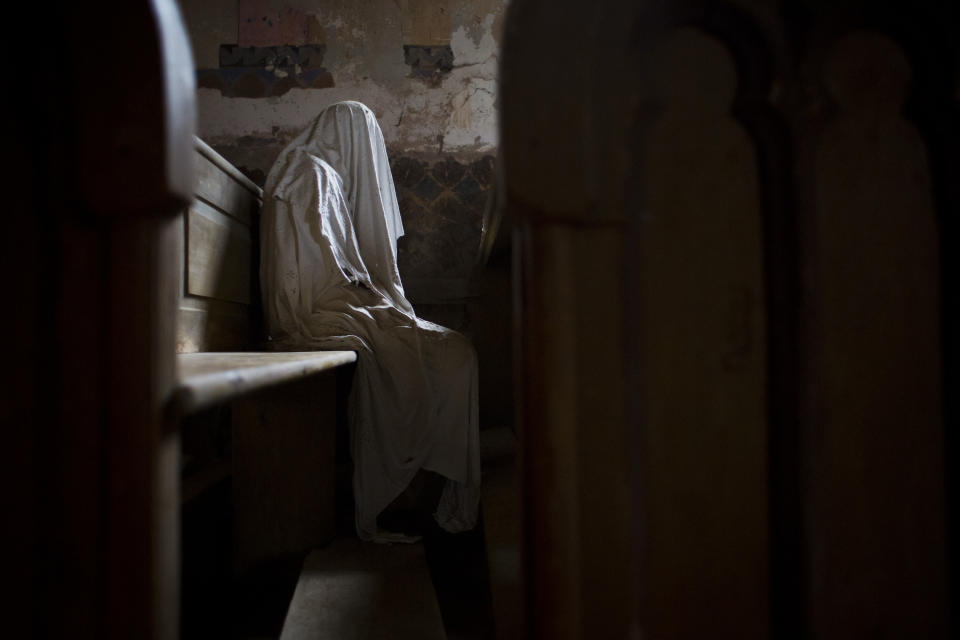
(280, 408)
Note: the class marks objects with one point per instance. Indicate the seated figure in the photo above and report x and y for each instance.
(329, 231)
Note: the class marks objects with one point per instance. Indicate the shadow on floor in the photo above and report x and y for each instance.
(458, 568)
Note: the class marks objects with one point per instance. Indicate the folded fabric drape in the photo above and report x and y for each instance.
(329, 277)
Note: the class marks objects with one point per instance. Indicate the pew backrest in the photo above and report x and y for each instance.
(219, 307)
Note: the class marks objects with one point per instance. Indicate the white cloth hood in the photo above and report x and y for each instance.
(347, 137)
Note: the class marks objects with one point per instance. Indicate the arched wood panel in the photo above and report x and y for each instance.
(701, 318)
(878, 561)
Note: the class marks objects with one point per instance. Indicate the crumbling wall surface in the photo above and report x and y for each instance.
(427, 68)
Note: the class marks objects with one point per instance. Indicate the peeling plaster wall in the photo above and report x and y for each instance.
(433, 114)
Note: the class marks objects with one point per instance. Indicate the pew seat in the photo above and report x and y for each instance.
(257, 427)
(207, 379)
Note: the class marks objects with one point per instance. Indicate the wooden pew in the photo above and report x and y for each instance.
(273, 413)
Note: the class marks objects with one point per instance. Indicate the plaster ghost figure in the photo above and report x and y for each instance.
(329, 277)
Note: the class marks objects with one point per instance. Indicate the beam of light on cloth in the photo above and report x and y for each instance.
(329, 276)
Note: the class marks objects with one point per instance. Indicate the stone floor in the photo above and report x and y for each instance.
(351, 590)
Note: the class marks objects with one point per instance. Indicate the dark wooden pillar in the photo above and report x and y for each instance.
(102, 164)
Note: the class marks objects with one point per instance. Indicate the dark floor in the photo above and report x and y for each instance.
(213, 604)
(457, 562)
(458, 567)
(216, 606)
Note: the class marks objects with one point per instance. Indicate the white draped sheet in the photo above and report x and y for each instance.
(329, 231)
